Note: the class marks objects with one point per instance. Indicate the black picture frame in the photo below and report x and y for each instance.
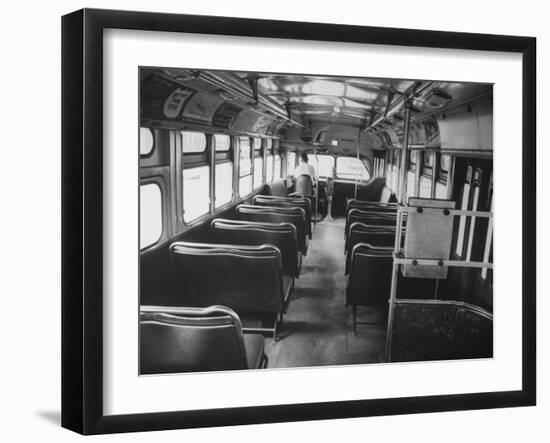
(82, 218)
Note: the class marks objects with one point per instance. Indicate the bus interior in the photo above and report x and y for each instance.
(296, 220)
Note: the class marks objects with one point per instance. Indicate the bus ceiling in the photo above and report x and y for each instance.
(341, 115)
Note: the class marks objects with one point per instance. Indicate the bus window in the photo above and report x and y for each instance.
(277, 172)
(193, 142)
(150, 214)
(222, 142)
(428, 163)
(245, 168)
(196, 192)
(445, 162)
(290, 163)
(413, 155)
(425, 188)
(395, 170)
(389, 169)
(269, 168)
(258, 171)
(351, 168)
(224, 183)
(268, 161)
(257, 144)
(441, 191)
(325, 163)
(441, 186)
(146, 142)
(411, 181)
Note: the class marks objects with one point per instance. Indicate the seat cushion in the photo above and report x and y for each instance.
(254, 346)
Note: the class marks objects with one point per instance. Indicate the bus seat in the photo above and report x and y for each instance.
(440, 330)
(378, 236)
(369, 217)
(353, 203)
(287, 202)
(304, 185)
(376, 191)
(273, 214)
(247, 279)
(387, 196)
(277, 188)
(281, 235)
(369, 278)
(176, 340)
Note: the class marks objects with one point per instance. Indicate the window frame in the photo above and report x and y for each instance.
(350, 180)
(182, 198)
(427, 171)
(232, 199)
(153, 148)
(251, 172)
(220, 158)
(261, 162)
(181, 132)
(443, 174)
(158, 181)
(276, 157)
(317, 171)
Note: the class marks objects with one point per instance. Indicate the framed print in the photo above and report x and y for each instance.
(271, 221)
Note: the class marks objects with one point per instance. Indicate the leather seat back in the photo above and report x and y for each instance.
(273, 214)
(247, 279)
(376, 191)
(370, 205)
(370, 275)
(190, 339)
(378, 236)
(241, 232)
(370, 217)
(288, 202)
(387, 196)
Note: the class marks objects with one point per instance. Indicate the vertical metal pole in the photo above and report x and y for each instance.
(391, 301)
(450, 179)
(236, 145)
(393, 289)
(488, 241)
(212, 153)
(316, 186)
(357, 179)
(398, 227)
(404, 153)
(435, 169)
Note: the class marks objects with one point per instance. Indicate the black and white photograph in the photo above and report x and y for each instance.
(294, 220)
(234, 222)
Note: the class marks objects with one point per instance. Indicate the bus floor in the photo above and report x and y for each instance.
(317, 328)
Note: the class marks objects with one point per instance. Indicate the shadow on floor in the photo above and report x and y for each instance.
(53, 417)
